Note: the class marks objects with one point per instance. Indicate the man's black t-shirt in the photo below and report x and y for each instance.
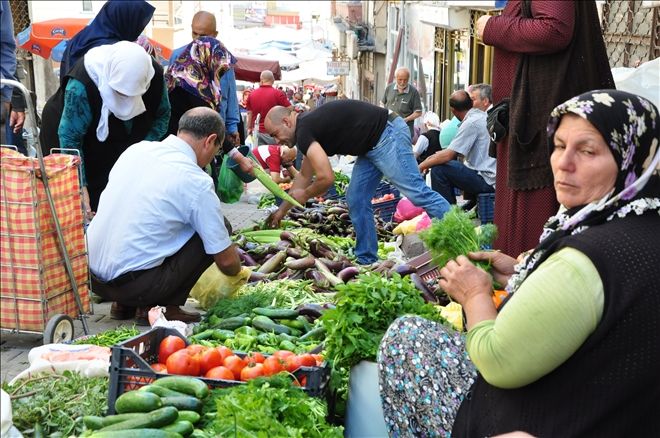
(345, 127)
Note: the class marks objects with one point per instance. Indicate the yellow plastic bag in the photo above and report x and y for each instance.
(213, 285)
(453, 313)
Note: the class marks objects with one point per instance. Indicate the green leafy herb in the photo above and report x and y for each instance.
(364, 310)
(454, 235)
(57, 402)
(268, 407)
(341, 182)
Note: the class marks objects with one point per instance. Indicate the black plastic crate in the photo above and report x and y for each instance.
(386, 209)
(384, 188)
(486, 207)
(130, 369)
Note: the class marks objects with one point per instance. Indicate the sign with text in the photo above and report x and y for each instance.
(338, 68)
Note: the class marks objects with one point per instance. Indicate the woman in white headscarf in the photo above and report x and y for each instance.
(112, 98)
(428, 143)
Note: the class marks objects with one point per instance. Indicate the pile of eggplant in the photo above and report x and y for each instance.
(331, 218)
(296, 257)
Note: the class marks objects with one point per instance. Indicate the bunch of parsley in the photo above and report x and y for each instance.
(454, 235)
(364, 310)
(270, 407)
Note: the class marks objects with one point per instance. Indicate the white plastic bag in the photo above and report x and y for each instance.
(88, 360)
(7, 429)
(642, 80)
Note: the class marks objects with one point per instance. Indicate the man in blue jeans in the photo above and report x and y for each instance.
(476, 174)
(381, 142)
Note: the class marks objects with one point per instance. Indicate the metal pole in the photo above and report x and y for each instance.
(33, 138)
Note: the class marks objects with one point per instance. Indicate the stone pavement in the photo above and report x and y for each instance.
(14, 347)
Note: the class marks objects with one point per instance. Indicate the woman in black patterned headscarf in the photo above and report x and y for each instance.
(573, 350)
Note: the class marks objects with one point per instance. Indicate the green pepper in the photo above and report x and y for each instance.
(287, 345)
(214, 320)
(246, 330)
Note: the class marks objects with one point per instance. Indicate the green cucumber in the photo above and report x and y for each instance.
(161, 391)
(137, 401)
(287, 345)
(182, 427)
(158, 418)
(275, 313)
(136, 433)
(183, 402)
(186, 385)
(222, 334)
(94, 422)
(266, 324)
(232, 323)
(191, 416)
(206, 334)
(317, 333)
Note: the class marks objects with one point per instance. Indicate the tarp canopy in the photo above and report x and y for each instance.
(249, 68)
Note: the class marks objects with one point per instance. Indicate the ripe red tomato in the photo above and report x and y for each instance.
(220, 373)
(208, 359)
(292, 363)
(254, 357)
(272, 365)
(225, 352)
(252, 372)
(159, 368)
(282, 354)
(183, 363)
(307, 360)
(196, 349)
(169, 345)
(235, 365)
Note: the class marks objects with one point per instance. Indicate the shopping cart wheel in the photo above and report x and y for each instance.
(59, 329)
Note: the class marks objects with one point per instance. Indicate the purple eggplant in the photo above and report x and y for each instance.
(288, 236)
(404, 269)
(325, 271)
(319, 279)
(423, 288)
(273, 264)
(333, 265)
(257, 276)
(246, 259)
(348, 273)
(313, 310)
(300, 264)
(282, 245)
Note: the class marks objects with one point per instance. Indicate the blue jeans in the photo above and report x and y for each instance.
(393, 158)
(456, 174)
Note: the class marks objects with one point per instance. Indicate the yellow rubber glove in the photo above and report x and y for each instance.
(213, 285)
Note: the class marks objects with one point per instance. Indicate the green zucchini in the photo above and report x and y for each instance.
(206, 334)
(136, 433)
(275, 313)
(317, 333)
(183, 402)
(191, 416)
(94, 422)
(161, 391)
(266, 324)
(292, 323)
(232, 323)
(182, 427)
(137, 401)
(186, 385)
(158, 418)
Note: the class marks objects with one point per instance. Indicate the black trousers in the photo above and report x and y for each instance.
(167, 284)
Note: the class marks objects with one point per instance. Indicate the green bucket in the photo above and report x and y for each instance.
(233, 165)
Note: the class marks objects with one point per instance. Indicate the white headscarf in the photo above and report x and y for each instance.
(432, 120)
(122, 72)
